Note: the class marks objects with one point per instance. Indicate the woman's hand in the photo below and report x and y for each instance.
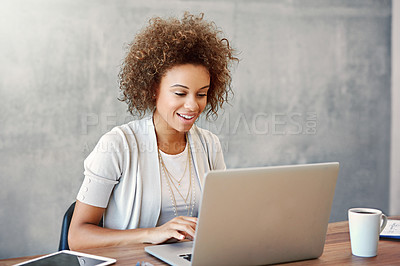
(178, 228)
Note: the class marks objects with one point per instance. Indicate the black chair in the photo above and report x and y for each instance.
(65, 228)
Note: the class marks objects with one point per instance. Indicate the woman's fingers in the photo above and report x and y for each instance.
(175, 234)
(185, 224)
(181, 227)
(178, 228)
(188, 218)
(186, 229)
(185, 219)
(192, 221)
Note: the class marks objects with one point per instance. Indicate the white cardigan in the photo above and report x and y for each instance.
(122, 172)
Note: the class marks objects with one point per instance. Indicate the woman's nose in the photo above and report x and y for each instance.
(191, 103)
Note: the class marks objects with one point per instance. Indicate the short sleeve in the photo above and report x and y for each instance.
(102, 170)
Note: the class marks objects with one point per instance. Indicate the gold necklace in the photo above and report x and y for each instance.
(189, 206)
(169, 174)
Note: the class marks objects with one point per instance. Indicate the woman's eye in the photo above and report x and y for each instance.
(180, 93)
(202, 94)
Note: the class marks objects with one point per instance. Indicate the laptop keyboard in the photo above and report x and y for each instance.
(186, 256)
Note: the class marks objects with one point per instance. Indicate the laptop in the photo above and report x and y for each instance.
(257, 216)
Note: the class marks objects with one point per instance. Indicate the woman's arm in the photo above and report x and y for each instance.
(84, 231)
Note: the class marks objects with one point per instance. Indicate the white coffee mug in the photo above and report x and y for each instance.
(365, 225)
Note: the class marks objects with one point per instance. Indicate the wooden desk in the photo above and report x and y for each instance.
(337, 251)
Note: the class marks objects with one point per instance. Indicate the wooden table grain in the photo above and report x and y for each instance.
(337, 251)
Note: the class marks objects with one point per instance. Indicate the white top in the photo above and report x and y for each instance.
(186, 193)
(122, 173)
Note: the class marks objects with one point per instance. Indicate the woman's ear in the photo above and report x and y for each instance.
(155, 91)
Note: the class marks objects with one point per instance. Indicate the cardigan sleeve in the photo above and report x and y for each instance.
(102, 170)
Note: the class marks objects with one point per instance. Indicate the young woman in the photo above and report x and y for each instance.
(144, 178)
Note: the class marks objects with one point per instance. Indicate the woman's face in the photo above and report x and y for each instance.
(181, 97)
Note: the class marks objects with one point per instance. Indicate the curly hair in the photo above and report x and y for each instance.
(165, 43)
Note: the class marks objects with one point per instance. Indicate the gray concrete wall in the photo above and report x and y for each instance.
(313, 85)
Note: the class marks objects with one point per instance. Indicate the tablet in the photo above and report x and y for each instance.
(69, 258)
